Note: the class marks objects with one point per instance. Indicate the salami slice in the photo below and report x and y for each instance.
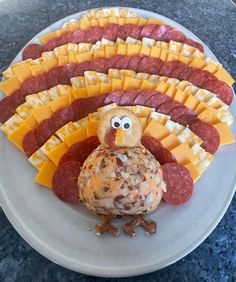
(178, 112)
(43, 132)
(193, 43)
(32, 51)
(168, 67)
(168, 106)
(150, 65)
(99, 65)
(128, 97)
(176, 73)
(157, 100)
(147, 30)
(123, 62)
(186, 73)
(134, 62)
(209, 135)
(110, 32)
(186, 119)
(159, 31)
(154, 146)
(34, 84)
(174, 35)
(135, 32)
(64, 38)
(200, 76)
(82, 107)
(30, 143)
(144, 96)
(78, 36)
(7, 108)
(64, 183)
(17, 98)
(221, 89)
(111, 63)
(126, 30)
(81, 68)
(61, 118)
(93, 34)
(67, 72)
(114, 97)
(179, 184)
(50, 45)
(81, 150)
(53, 76)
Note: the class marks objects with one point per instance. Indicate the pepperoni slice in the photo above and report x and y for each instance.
(178, 112)
(64, 38)
(99, 65)
(179, 184)
(221, 89)
(114, 97)
(53, 76)
(168, 106)
(110, 32)
(144, 96)
(30, 143)
(186, 73)
(50, 45)
(159, 31)
(81, 68)
(67, 72)
(123, 62)
(200, 76)
(209, 135)
(157, 100)
(7, 108)
(128, 97)
(147, 30)
(81, 150)
(134, 62)
(154, 146)
(174, 35)
(32, 51)
(187, 119)
(176, 73)
(125, 30)
(168, 67)
(193, 43)
(61, 118)
(64, 183)
(93, 34)
(43, 132)
(34, 84)
(135, 33)
(78, 36)
(82, 107)
(150, 65)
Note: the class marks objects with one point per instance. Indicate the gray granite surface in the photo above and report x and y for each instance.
(214, 21)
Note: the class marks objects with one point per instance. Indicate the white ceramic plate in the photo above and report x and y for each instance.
(61, 233)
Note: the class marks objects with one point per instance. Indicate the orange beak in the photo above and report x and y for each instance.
(115, 137)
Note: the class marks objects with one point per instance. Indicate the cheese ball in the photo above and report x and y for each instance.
(123, 181)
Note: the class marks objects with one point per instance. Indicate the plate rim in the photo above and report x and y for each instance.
(88, 269)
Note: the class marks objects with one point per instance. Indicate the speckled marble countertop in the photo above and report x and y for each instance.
(214, 22)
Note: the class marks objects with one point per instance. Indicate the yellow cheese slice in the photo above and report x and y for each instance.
(79, 93)
(18, 136)
(146, 85)
(93, 90)
(46, 173)
(50, 64)
(46, 37)
(82, 57)
(110, 51)
(209, 116)
(63, 60)
(65, 130)
(180, 96)
(170, 142)
(131, 83)
(92, 127)
(226, 136)
(223, 75)
(191, 102)
(76, 136)
(171, 90)
(145, 50)
(197, 63)
(105, 87)
(121, 49)
(133, 49)
(155, 52)
(117, 84)
(41, 113)
(10, 85)
(60, 103)
(56, 154)
(183, 154)
(156, 129)
(31, 122)
(37, 69)
(193, 171)
(162, 87)
(22, 72)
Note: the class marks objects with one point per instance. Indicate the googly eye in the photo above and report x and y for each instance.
(116, 122)
(126, 123)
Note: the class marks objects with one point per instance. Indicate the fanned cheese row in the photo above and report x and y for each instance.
(77, 53)
(179, 140)
(42, 105)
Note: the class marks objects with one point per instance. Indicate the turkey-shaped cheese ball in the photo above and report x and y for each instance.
(121, 177)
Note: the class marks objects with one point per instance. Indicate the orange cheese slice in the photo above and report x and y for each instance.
(57, 153)
(10, 85)
(18, 136)
(46, 173)
(76, 136)
(155, 129)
